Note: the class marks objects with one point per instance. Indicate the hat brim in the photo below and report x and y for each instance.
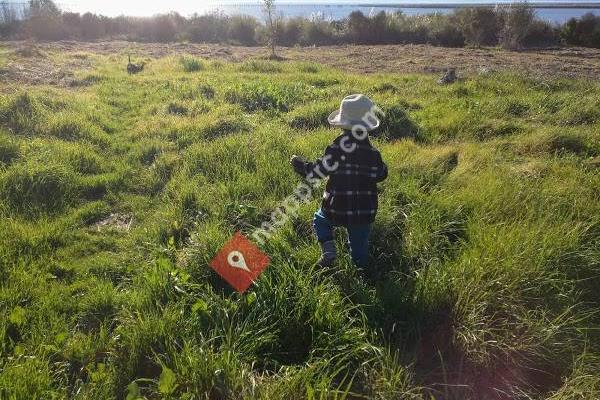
(335, 119)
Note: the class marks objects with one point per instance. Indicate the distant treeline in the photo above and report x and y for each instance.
(511, 26)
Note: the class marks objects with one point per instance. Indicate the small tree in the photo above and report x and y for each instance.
(9, 20)
(44, 20)
(518, 19)
(269, 9)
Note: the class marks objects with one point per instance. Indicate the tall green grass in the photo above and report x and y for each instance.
(485, 262)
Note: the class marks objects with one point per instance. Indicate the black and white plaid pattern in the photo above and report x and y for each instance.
(350, 197)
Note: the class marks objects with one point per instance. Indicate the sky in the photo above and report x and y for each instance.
(187, 7)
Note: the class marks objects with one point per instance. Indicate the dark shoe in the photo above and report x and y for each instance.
(326, 262)
(329, 254)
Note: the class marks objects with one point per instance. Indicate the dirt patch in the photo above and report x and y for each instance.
(554, 62)
(31, 66)
(115, 221)
(28, 51)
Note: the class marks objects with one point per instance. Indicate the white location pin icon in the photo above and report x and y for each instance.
(235, 259)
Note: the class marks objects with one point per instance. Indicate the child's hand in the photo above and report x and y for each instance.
(298, 165)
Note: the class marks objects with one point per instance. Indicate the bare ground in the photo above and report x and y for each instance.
(33, 66)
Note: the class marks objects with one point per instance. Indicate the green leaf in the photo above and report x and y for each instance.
(200, 307)
(250, 298)
(17, 316)
(167, 381)
(133, 391)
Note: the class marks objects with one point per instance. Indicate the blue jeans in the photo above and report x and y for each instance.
(358, 237)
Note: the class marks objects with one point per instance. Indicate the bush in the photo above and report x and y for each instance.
(318, 32)
(289, 31)
(479, 25)
(242, 30)
(444, 32)
(211, 28)
(582, 32)
(541, 34)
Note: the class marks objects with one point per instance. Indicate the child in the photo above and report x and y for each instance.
(354, 168)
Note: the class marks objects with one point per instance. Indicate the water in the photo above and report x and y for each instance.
(333, 11)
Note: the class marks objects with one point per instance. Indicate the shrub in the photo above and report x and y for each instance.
(541, 34)
(318, 32)
(191, 64)
(289, 31)
(211, 28)
(242, 30)
(479, 25)
(444, 32)
(582, 32)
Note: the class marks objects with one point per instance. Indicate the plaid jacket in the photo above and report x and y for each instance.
(354, 168)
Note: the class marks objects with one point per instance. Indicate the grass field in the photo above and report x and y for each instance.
(116, 192)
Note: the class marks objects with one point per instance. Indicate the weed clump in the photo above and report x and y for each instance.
(191, 64)
(515, 108)
(558, 143)
(491, 129)
(193, 92)
(88, 80)
(177, 109)
(207, 91)
(311, 116)
(19, 114)
(261, 66)
(225, 126)
(9, 150)
(263, 96)
(71, 127)
(397, 124)
(29, 52)
(33, 189)
(310, 68)
(85, 161)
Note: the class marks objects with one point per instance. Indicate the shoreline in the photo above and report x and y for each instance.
(545, 5)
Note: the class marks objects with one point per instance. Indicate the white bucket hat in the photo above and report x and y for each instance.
(355, 110)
